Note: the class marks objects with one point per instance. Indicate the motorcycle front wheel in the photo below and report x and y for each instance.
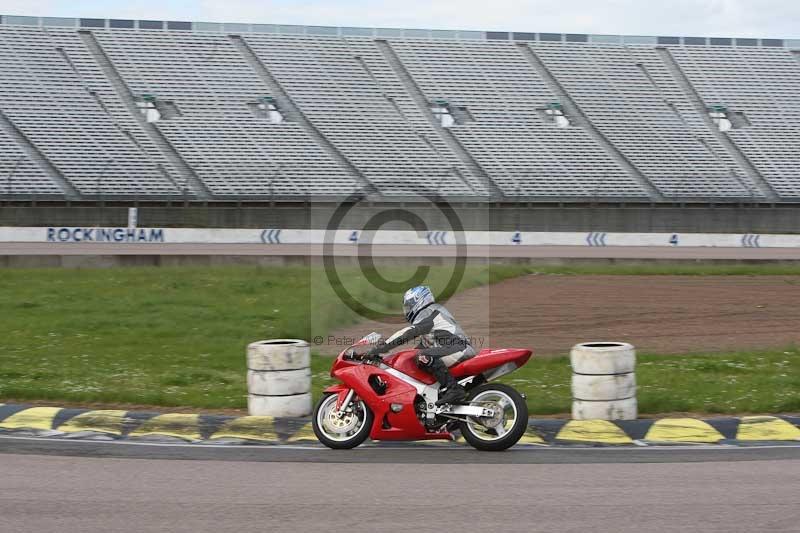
(502, 430)
(345, 431)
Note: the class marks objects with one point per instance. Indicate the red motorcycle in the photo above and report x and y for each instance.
(390, 398)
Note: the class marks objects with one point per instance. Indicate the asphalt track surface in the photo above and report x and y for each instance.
(400, 489)
(532, 252)
(53, 485)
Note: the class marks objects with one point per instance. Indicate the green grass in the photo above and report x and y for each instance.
(176, 337)
(752, 382)
(747, 382)
(167, 336)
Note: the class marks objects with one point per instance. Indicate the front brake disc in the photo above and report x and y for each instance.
(341, 424)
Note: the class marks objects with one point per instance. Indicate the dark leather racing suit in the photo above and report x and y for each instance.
(443, 342)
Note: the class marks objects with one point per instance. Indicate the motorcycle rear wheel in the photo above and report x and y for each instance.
(325, 421)
(506, 428)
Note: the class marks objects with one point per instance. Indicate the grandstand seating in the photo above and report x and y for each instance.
(524, 154)
(50, 106)
(355, 110)
(616, 96)
(764, 84)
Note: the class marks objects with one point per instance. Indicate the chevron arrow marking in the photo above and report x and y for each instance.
(436, 238)
(750, 240)
(596, 238)
(271, 236)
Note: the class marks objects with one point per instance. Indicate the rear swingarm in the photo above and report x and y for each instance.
(454, 411)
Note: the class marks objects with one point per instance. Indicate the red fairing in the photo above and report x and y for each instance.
(401, 426)
(340, 364)
(485, 360)
(405, 363)
(489, 359)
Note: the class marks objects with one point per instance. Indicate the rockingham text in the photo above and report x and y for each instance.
(105, 235)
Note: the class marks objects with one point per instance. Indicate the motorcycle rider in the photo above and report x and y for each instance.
(443, 342)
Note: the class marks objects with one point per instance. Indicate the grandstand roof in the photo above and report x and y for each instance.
(408, 33)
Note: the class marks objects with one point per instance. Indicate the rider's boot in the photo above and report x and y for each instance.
(453, 392)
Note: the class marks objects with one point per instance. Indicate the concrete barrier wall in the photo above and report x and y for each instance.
(272, 236)
(206, 260)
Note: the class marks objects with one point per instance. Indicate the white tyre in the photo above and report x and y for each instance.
(280, 406)
(279, 382)
(603, 388)
(612, 410)
(278, 354)
(603, 358)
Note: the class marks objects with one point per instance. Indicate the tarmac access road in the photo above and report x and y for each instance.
(120, 487)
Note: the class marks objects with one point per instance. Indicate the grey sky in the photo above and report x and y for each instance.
(725, 18)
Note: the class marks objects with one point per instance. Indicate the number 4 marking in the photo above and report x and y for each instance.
(353, 236)
(674, 239)
(517, 238)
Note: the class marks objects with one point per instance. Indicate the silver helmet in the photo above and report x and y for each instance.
(415, 300)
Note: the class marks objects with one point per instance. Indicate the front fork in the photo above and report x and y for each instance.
(343, 401)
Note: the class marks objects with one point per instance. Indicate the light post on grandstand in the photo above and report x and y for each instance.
(442, 175)
(11, 174)
(751, 190)
(276, 174)
(99, 185)
(518, 207)
(269, 186)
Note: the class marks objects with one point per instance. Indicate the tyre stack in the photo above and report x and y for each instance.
(603, 381)
(279, 378)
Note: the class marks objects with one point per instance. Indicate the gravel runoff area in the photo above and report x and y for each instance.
(657, 314)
